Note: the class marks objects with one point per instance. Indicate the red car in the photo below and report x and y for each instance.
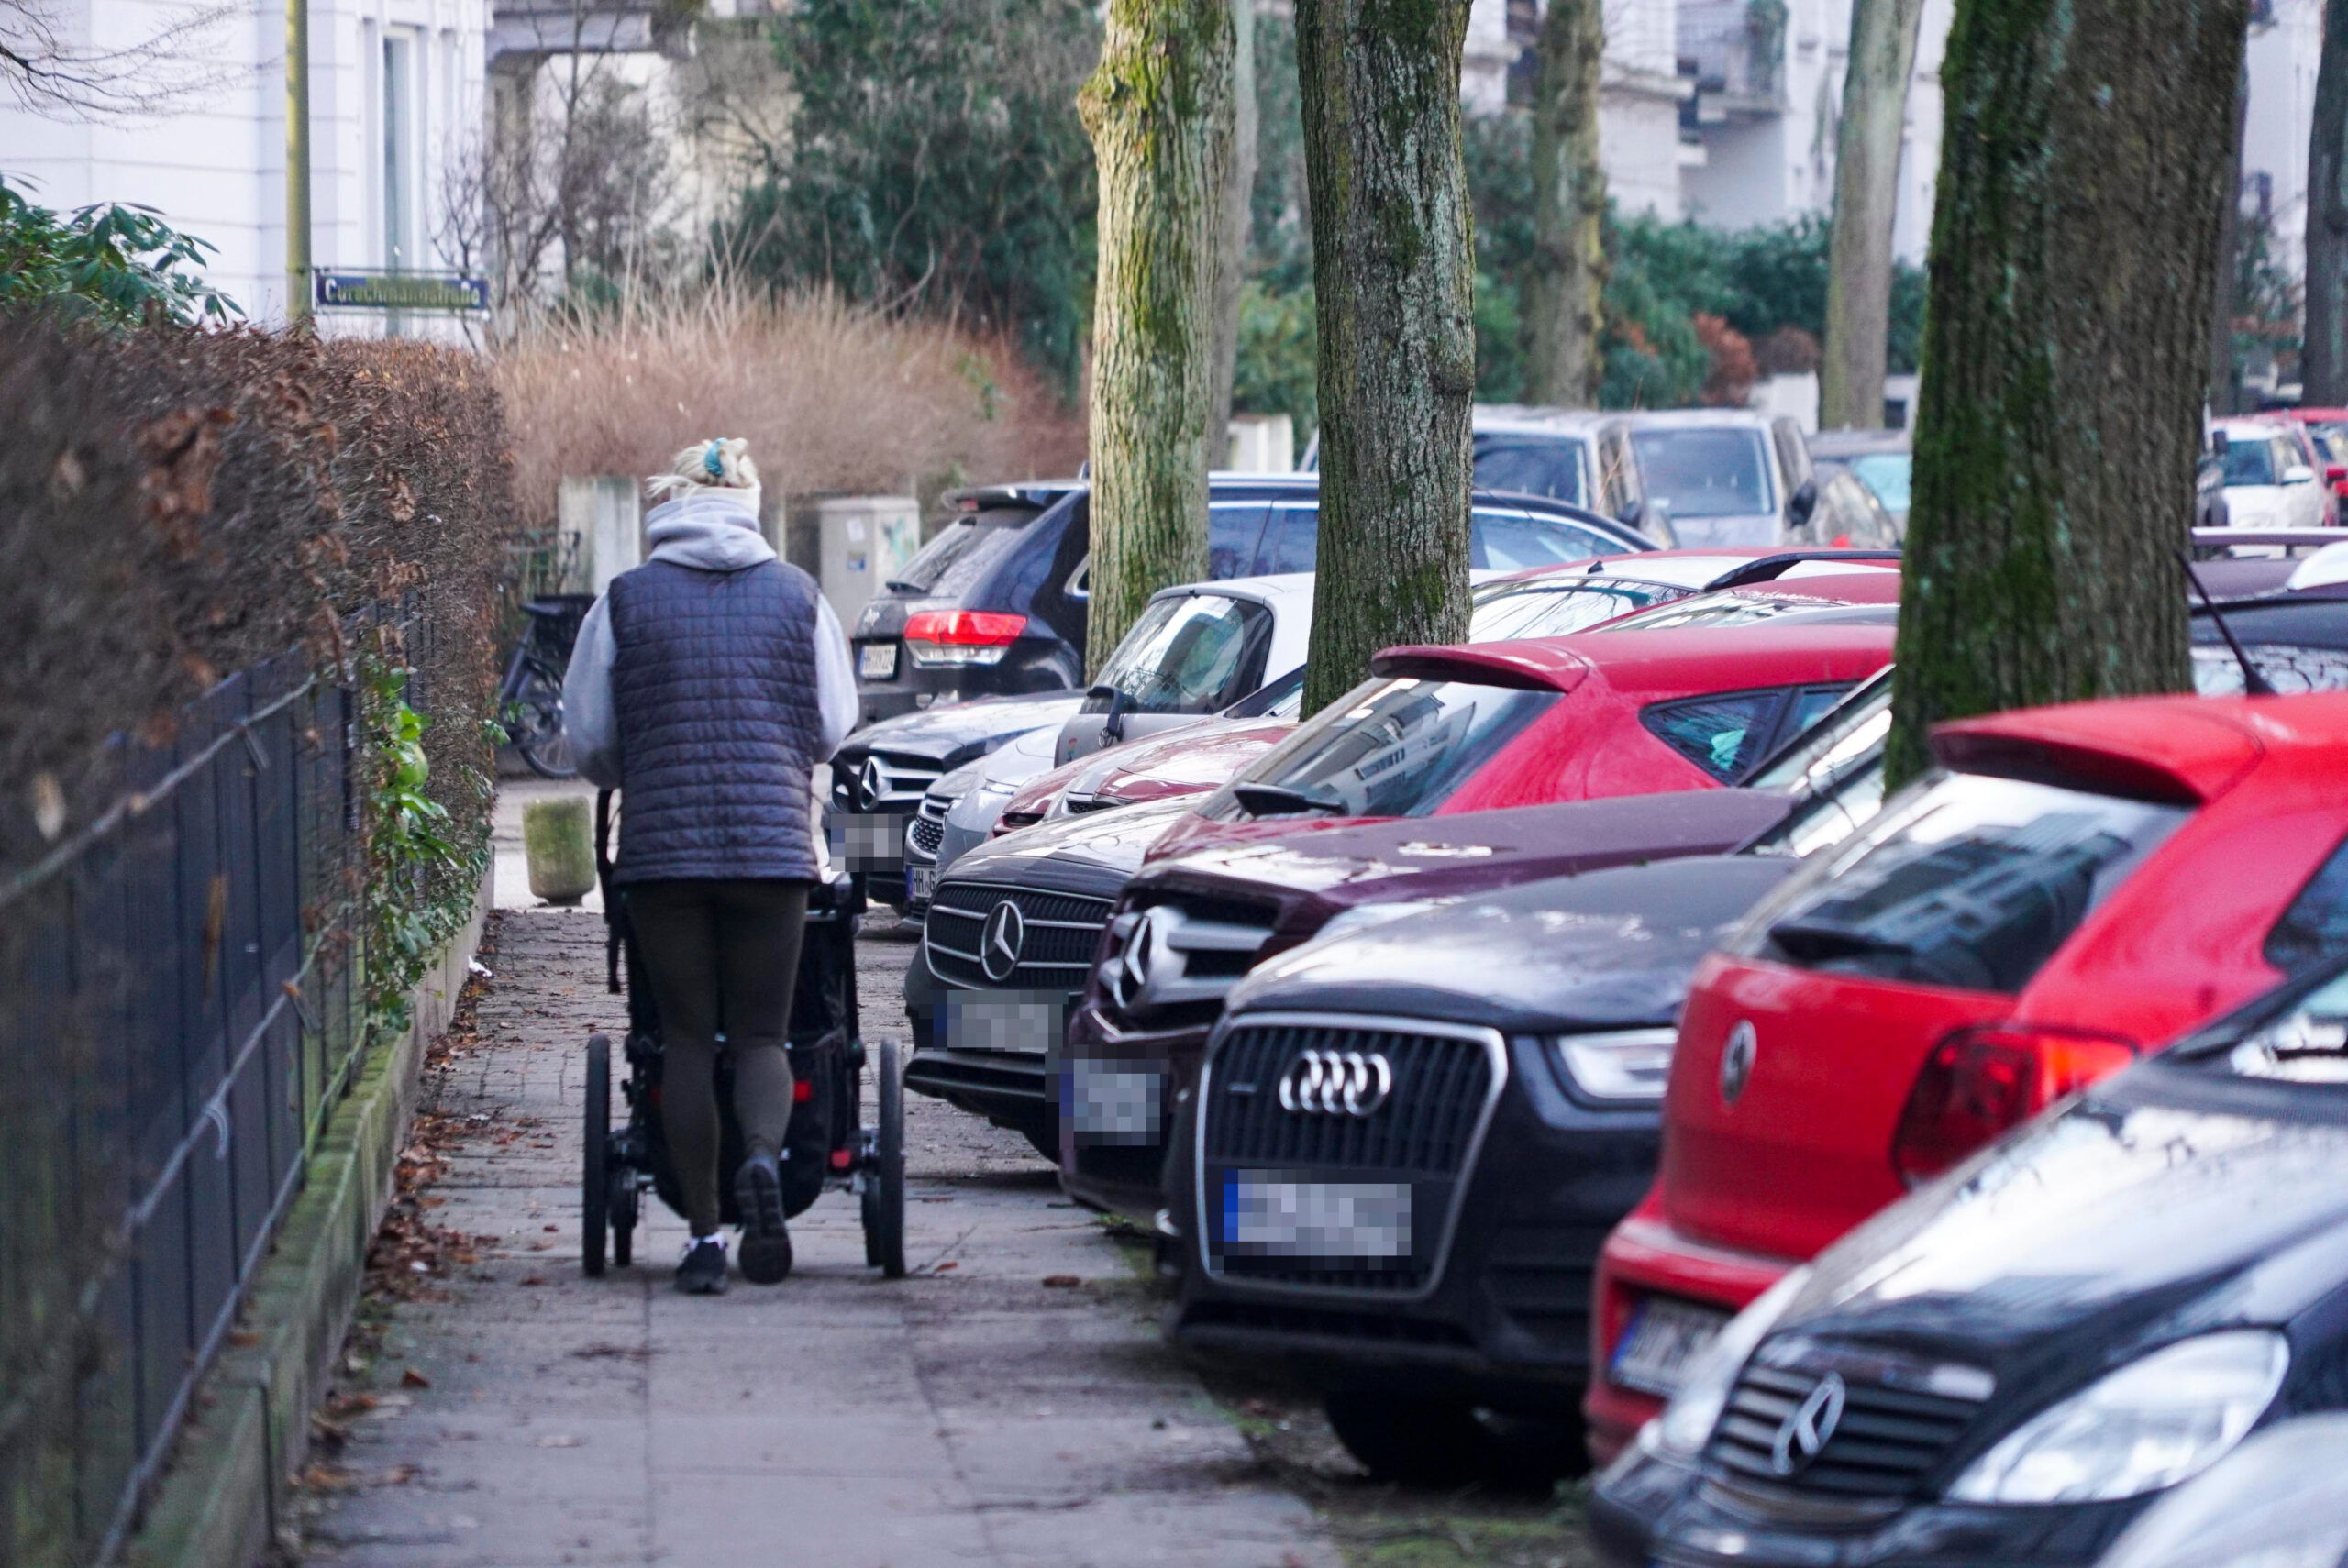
(1469, 728)
(2085, 881)
(1188, 761)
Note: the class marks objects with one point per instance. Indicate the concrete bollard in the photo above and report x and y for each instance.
(557, 836)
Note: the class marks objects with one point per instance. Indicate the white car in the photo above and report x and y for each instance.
(1726, 476)
(1196, 650)
(2270, 477)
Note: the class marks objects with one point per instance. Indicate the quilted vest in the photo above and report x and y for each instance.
(714, 692)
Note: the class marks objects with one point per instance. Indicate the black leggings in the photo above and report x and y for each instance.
(723, 957)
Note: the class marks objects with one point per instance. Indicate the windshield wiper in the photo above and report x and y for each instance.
(1279, 801)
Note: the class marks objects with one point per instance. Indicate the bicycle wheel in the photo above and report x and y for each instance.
(536, 724)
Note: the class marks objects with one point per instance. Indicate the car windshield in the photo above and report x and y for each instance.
(962, 552)
(1515, 541)
(1190, 654)
(1551, 606)
(2249, 460)
(1965, 881)
(1887, 474)
(1388, 748)
(1557, 467)
(1699, 474)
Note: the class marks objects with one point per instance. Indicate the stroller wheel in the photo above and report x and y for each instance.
(595, 1181)
(884, 1187)
(622, 1190)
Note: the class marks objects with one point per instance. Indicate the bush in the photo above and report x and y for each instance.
(109, 263)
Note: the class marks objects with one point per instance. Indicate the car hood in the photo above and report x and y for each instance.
(953, 736)
(1190, 761)
(2168, 1200)
(1612, 947)
(1091, 854)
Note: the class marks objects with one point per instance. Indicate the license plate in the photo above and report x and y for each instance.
(1029, 1022)
(1335, 1223)
(1112, 1106)
(920, 882)
(1662, 1336)
(876, 661)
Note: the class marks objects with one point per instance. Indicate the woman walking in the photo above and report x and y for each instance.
(706, 684)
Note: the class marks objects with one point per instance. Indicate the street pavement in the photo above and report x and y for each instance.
(1008, 1404)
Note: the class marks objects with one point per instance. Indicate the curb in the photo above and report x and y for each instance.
(249, 1428)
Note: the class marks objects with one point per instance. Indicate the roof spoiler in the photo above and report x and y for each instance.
(1768, 568)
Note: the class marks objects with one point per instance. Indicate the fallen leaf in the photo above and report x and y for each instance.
(412, 1378)
(532, 1280)
(1062, 1281)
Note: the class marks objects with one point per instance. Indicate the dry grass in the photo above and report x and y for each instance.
(832, 397)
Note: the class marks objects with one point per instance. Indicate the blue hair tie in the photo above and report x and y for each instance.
(709, 460)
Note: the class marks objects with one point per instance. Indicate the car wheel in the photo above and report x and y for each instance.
(1445, 1443)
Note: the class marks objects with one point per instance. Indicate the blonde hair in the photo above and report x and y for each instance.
(723, 463)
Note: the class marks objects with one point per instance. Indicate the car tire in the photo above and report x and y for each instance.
(1446, 1443)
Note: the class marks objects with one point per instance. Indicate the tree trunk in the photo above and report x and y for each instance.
(1393, 271)
(2324, 365)
(1156, 110)
(1569, 272)
(1239, 192)
(2075, 248)
(1866, 199)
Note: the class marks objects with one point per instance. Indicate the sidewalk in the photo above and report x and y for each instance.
(969, 1414)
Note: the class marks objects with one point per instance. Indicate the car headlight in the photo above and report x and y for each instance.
(1624, 1065)
(1686, 1422)
(2148, 1425)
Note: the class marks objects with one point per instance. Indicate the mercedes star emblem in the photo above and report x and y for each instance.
(1000, 942)
(1808, 1427)
(867, 784)
(1129, 983)
(1334, 1083)
(1736, 1061)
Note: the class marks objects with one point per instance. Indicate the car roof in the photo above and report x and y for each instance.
(2249, 423)
(1838, 445)
(1695, 567)
(2183, 749)
(1703, 659)
(1698, 419)
(1531, 419)
(1280, 589)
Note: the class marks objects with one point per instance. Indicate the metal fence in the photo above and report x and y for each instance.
(184, 1007)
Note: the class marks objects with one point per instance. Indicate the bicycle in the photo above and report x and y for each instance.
(529, 701)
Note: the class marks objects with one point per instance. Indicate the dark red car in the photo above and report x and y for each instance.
(2083, 882)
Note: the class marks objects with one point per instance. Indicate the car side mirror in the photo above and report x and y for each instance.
(1113, 723)
(1801, 503)
(2299, 473)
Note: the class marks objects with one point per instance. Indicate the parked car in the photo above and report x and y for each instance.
(2276, 1500)
(1193, 651)
(1472, 727)
(996, 603)
(2013, 1363)
(1881, 460)
(1724, 476)
(1569, 454)
(2327, 429)
(1553, 601)
(1184, 931)
(2271, 476)
(2082, 882)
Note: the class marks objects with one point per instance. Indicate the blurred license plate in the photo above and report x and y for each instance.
(1106, 1106)
(1269, 1216)
(1029, 1022)
(920, 881)
(876, 661)
(1662, 1338)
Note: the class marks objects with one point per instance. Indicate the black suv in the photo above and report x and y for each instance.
(995, 604)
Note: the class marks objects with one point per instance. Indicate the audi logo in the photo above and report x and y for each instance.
(1336, 1083)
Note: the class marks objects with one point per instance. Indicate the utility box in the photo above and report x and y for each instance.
(851, 544)
(601, 519)
(1262, 444)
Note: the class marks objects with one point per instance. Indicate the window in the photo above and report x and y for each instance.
(1724, 736)
(1191, 654)
(1854, 728)
(2308, 1044)
(1700, 473)
(1887, 474)
(2249, 462)
(1291, 541)
(1232, 532)
(963, 551)
(1726, 607)
(1511, 541)
(1548, 607)
(1389, 748)
(1965, 881)
(2315, 928)
(1557, 467)
(401, 249)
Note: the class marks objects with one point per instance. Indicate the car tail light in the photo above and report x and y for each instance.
(1977, 1083)
(936, 637)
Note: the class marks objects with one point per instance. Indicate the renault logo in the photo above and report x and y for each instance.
(1809, 1426)
(869, 784)
(1129, 984)
(1736, 1060)
(1334, 1083)
(999, 943)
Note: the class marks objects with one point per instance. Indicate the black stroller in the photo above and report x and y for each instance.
(826, 1148)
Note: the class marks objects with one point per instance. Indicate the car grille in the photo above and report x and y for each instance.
(925, 834)
(1426, 1132)
(1890, 1434)
(1062, 930)
(895, 784)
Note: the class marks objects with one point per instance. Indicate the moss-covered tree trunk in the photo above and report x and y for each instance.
(1157, 110)
(2323, 366)
(1567, 276)
(1238, 208)
(1392, 271)
(2073, 258)
(1866, 197)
